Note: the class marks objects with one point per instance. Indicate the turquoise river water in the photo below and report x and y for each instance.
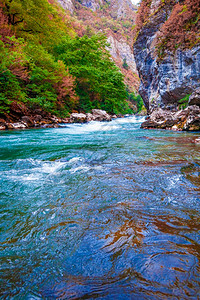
(99, 210)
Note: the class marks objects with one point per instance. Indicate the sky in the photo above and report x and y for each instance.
(135, 1)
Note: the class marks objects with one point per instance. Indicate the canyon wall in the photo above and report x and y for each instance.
(167, 51)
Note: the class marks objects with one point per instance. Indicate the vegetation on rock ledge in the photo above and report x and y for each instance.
(181, 30)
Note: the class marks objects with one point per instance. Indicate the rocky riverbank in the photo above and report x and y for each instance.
(187, 119)
(20, 117)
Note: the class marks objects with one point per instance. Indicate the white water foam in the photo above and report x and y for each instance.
(74, 160)
(132, 120)
(39, 170)
(173, 181)
(95, 126)
(52, 167)
(92, 126)
(85, 168)
(36, 170)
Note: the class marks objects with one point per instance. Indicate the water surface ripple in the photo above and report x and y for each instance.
(99, 210)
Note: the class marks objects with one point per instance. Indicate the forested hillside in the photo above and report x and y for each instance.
(52, 61)
(116, 19)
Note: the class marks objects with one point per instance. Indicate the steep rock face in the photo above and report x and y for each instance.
(92, 4)
(67, 4)
(166, 80)
(120, 48)
(121, 8)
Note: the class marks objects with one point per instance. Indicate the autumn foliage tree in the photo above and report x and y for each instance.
(142, 15)
(65, 87)
(182, 28)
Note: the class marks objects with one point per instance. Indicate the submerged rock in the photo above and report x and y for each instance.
(187, 119)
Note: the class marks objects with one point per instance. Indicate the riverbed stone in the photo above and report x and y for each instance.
(78, 118)
(101, 115)
(16, 125)
(28, 120)
(90, 117)
(55, 119)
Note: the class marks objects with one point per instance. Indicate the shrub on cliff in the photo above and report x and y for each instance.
(181, 28)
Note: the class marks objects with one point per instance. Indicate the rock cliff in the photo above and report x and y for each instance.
(167, 51)
(67, 4)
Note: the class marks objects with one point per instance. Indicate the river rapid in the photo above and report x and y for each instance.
(100, 210)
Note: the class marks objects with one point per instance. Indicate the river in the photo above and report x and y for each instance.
(100, 210)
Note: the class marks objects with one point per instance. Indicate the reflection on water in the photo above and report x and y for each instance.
(99, 210)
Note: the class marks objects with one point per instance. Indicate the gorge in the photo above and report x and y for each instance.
(92, 205)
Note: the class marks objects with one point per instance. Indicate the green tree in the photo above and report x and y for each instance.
(125, 65)
(99, 83)
(136, 99)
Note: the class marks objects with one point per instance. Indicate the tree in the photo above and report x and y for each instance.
(99, 83)
(125, 65)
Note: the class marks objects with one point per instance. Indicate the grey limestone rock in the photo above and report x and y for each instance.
(101, 115)
(195, 98)
(78, 118)
(67, 4)
(164, 82)
(187, 119)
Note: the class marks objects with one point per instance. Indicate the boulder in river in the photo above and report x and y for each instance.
(90, 117)
(16, 125)
(96, 115)
(78, 118)
(101, 115)
(28, 120)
